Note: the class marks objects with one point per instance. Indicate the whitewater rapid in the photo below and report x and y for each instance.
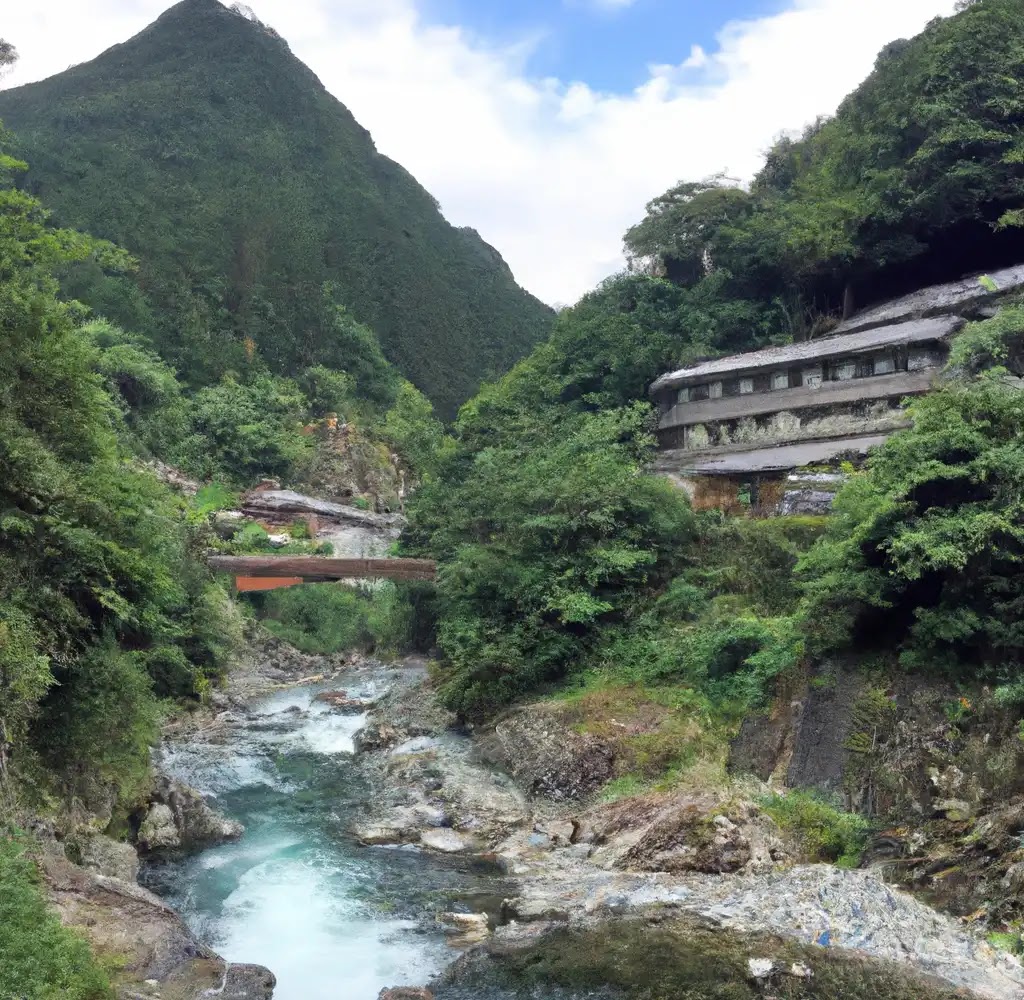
(330, 918)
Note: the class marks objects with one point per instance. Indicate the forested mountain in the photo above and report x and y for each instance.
(255, 203)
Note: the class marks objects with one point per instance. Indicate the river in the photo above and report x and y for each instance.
(332, 920)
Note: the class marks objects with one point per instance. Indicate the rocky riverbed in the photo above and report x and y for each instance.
(710, 861)
(332, 831)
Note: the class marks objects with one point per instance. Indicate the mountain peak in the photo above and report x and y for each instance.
(209, 150)
(209, 15)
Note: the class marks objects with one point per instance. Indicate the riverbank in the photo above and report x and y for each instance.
(383, 841)
(581, 868)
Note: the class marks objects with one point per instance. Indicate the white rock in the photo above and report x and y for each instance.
(447, 841)
(760, 968)
(279, 541)
(800, 970)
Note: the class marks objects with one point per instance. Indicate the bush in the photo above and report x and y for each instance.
(97, 726)
(544, 548)
(924, 551)
(825, 832)
(39, 958)
(320, 618)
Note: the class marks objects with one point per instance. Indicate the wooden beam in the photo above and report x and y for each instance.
(325, 568)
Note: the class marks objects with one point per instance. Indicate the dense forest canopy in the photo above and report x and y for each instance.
(257, 207)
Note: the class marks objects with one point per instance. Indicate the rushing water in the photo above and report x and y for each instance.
(331, 919)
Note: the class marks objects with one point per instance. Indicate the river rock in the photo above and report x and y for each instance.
(106, 856)
(448, 841)
(342, 701)
(178, 817)
(464, 929)
(406, 993)
(547, 757)
(376, 736)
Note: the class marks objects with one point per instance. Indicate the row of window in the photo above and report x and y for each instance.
(841, 370)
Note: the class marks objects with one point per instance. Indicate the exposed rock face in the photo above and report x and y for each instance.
(704, 836)
(106, 856)
(406, 993)
(123, 919)
(548, 758)
(178, 817)
(289, 504)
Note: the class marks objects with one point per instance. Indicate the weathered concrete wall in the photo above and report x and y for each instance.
(830, 394)
(876, 417)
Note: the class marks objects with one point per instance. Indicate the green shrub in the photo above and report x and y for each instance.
(39, 958)
(97, 725)
(212, 497)
(545, 548)
(319, 618)
(825, 832)
(923, 553)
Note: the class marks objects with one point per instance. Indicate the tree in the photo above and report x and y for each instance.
(925, 551)
(542, 548)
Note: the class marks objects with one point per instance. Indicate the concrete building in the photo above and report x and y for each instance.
(734, 431)
(767, 432)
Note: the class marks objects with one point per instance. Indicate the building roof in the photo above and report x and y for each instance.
(937, 299)
(778, 459)
(913, 332)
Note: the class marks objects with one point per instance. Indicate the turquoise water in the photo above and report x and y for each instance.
(331, 919)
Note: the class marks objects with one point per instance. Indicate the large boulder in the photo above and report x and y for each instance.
(154, 948)
(179, 817)
(546, 756)
(106, 856)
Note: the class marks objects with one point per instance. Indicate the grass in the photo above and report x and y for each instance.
(664, 735)
(39, 958)
(825, 832)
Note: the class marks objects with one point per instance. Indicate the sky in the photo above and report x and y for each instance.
(546, 125)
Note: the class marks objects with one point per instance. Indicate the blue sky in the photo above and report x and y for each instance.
(546, 125)
(608, 45)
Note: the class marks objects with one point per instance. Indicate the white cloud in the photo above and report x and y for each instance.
(551, 172)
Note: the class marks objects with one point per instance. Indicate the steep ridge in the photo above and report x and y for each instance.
(205, 147)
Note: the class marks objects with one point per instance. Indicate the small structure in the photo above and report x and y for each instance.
(273, 572)
(733, 431)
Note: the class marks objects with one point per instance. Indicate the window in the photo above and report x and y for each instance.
(683, 395)
(843, 371)
(780, 380)
(812, 378)
(715, 390)
(746, 386)
(884, 364)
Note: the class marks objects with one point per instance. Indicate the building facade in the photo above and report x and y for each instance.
(735, 431)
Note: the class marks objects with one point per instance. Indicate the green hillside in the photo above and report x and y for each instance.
(254, 201)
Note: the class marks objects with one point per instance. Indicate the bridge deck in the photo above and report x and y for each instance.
(261, 572)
